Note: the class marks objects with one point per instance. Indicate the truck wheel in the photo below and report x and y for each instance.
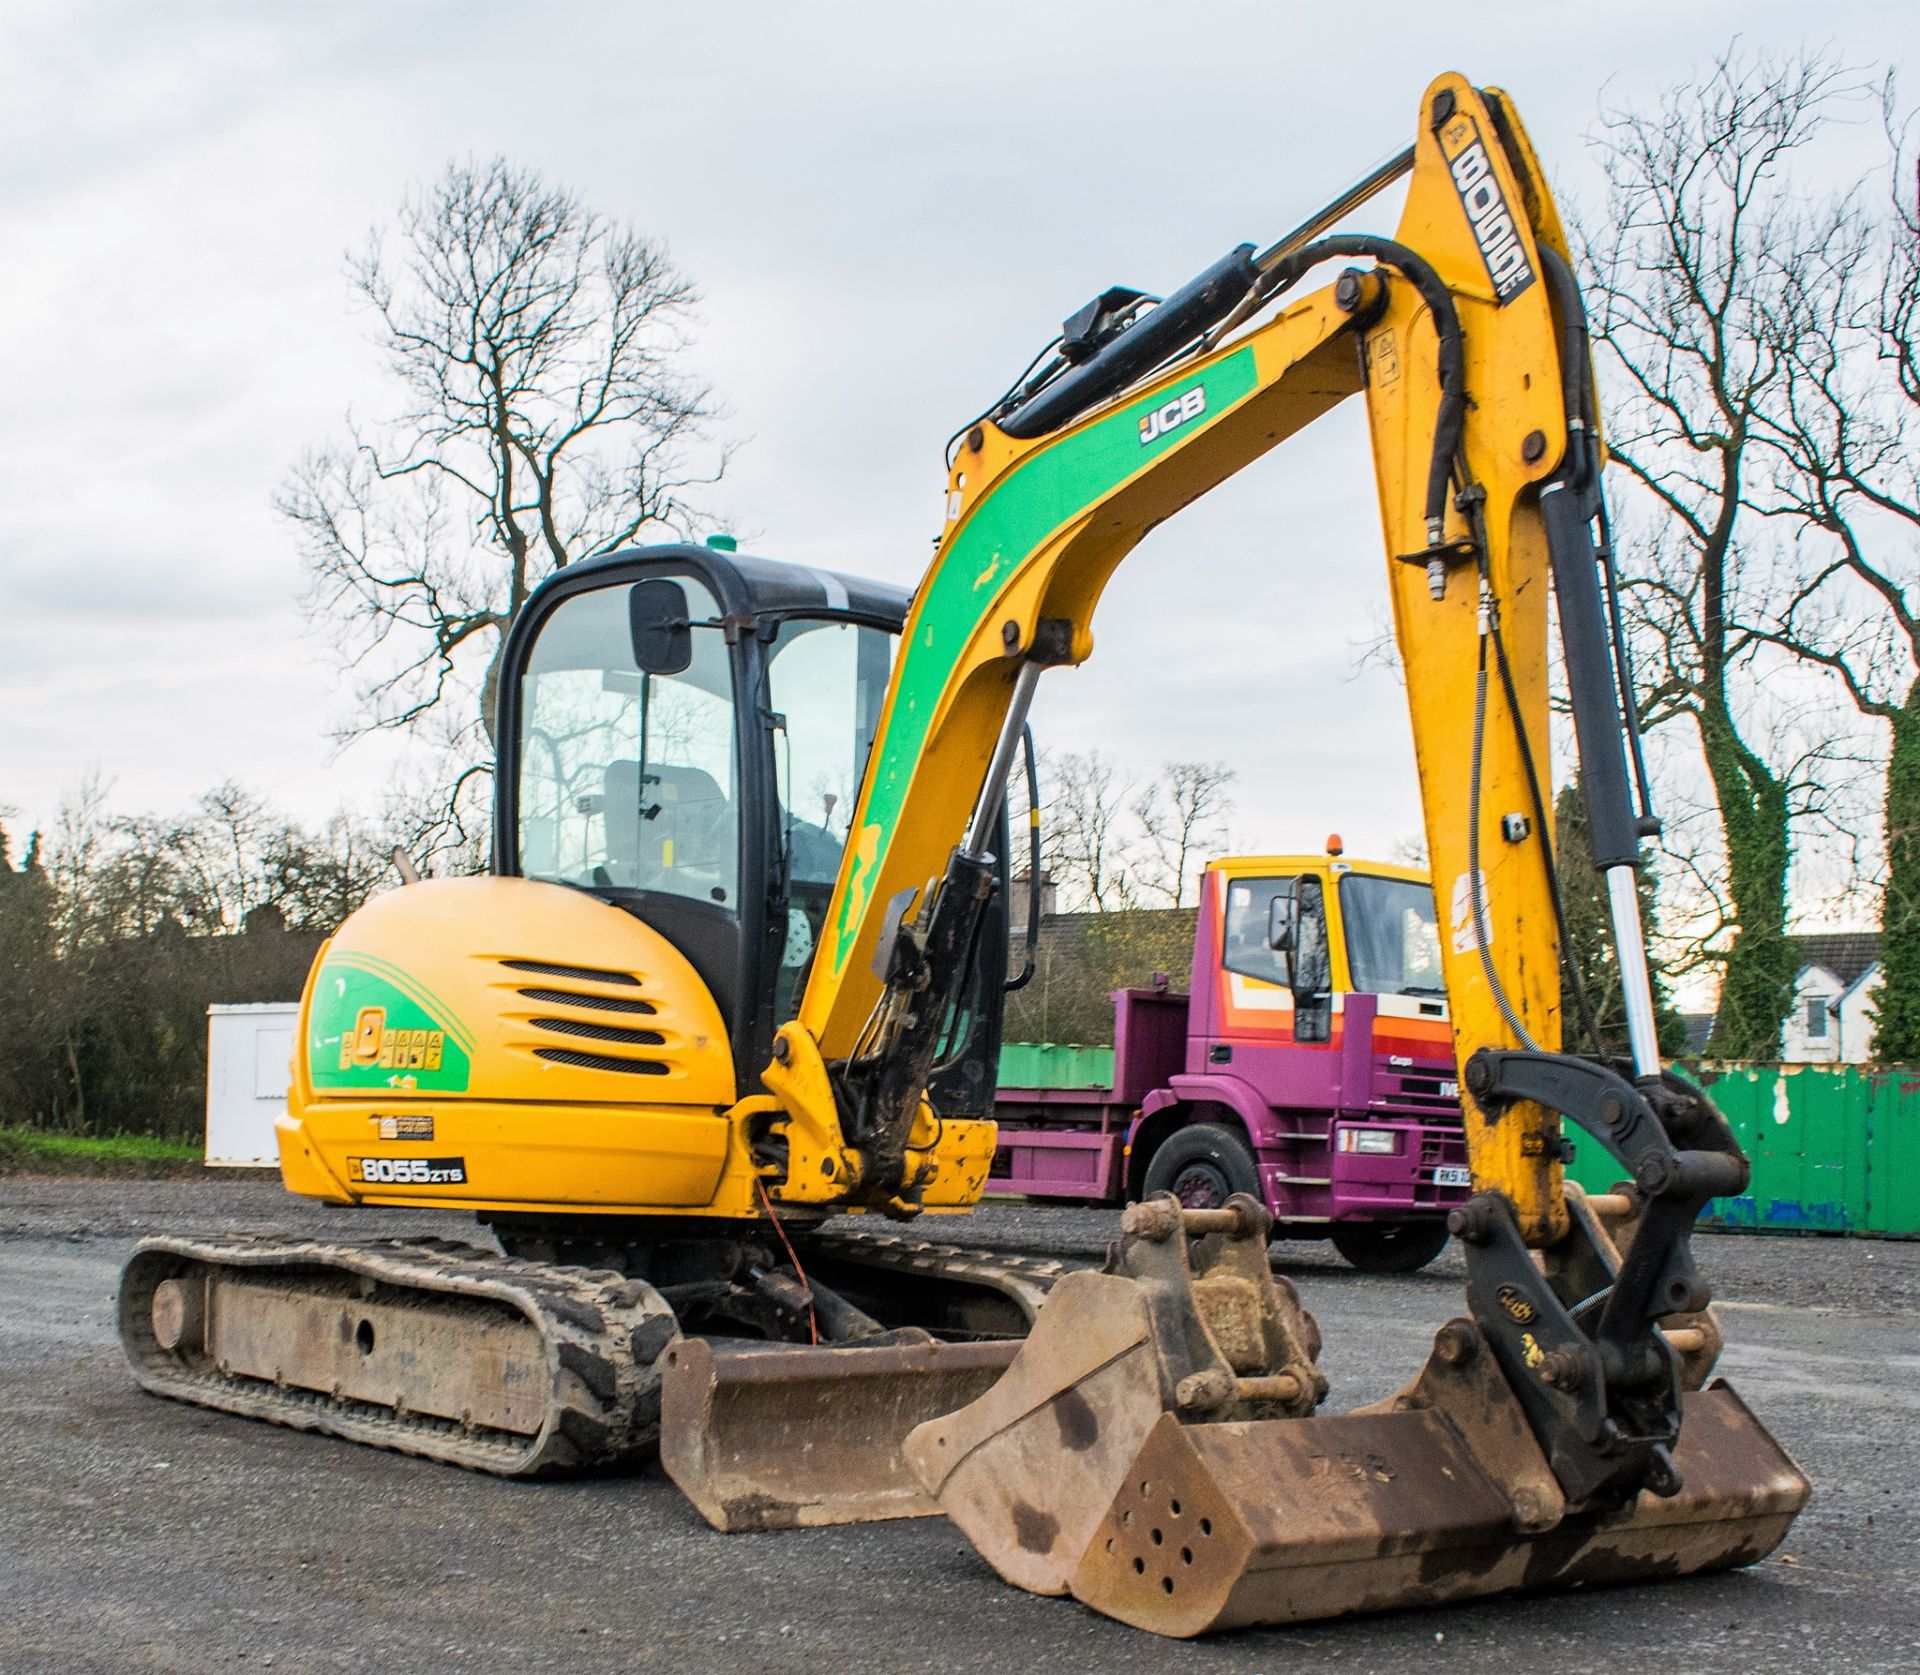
(1391, 1247)
(1203, 1165)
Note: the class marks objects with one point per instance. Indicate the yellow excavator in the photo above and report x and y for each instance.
(738, 970)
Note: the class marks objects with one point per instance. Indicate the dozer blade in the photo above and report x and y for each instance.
(1154, 1456)
(775, 1436)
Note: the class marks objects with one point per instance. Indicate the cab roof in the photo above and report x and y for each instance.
(1321, 862)
(746, 585)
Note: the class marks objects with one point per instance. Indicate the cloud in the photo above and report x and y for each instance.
(887, 208)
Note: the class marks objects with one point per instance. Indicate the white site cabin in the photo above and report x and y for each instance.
(249, 1069)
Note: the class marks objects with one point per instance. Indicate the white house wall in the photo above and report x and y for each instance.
(1797, 1045)
(1850, 1024)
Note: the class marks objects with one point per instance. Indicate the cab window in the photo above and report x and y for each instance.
(1249, 902)
(627, 779)
(827, 684)
(1393, 942)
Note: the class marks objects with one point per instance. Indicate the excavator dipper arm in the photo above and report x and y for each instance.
(1461, 364)
(1465, 334)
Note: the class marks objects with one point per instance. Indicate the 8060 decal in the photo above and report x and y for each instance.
(407, 1171)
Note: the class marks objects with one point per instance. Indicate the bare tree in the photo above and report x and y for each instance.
(1084, 831)
(220, 847)
(545, 416)
(1686, 275)
(1183, 816)
(313, 880)
(1842, 424)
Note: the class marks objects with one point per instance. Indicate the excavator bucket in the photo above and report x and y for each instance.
(1153, 1454)
(777, 1436)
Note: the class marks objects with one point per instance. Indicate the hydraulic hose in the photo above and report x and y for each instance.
(1451, 418)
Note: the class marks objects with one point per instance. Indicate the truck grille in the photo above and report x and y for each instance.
(1438, 1151)
(1427, 1094)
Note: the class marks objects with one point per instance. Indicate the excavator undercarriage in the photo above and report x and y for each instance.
(538, 1362)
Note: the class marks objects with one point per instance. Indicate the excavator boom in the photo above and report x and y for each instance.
(1559, 1435)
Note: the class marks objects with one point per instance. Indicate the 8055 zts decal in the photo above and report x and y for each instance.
(407, 1171)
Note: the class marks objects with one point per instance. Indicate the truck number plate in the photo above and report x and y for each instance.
(1453, 1174)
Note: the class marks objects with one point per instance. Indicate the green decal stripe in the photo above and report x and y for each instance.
(352, 986)
(400, 978)
(1049, 491)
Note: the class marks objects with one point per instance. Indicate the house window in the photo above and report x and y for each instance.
(1816, 1017)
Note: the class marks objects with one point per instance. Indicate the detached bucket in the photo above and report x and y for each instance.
(774, 1436)
(1284, 1521)
(1152, 1451)
(1030, 1469)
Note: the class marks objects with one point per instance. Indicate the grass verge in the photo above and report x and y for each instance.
(137, 1157)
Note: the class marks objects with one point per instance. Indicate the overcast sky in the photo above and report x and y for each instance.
(887, 208)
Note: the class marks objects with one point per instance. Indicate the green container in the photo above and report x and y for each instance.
(1835, 1149)
(1047, 1064)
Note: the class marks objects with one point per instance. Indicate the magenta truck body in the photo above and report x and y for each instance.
(1183, 1059)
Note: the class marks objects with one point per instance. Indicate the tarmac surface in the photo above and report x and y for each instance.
(139, 1535)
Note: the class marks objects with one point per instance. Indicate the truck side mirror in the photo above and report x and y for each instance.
(1312, 963)
(657, 623)
(1280, 935)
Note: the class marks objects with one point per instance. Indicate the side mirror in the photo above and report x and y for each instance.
(657, 622)
(1312, 963)
(1280, 932)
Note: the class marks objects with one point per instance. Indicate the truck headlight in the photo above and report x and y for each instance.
(1374, 1142)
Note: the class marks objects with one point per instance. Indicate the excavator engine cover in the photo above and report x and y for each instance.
(1153, 1452)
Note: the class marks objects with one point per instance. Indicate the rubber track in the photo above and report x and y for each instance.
(605, 1334)
(1025, 1279)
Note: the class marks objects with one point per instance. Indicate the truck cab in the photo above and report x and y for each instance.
(1310, 1063)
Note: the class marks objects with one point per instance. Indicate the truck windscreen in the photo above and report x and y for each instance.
(1393, 943)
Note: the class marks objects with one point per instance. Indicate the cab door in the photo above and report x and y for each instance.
(1288, 1054)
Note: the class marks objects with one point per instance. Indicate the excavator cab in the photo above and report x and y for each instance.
(572, 1050)
(682, 735)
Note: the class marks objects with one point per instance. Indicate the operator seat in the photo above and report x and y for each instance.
(688, 846)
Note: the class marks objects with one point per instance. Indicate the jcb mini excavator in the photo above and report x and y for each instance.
(738, 969)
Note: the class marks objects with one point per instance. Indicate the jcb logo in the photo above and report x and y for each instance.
(371, 1042)
(1174, 413)
(1486, 207)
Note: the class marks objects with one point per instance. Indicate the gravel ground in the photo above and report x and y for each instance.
(140, 1535)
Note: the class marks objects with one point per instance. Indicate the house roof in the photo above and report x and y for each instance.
(1849, 955)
